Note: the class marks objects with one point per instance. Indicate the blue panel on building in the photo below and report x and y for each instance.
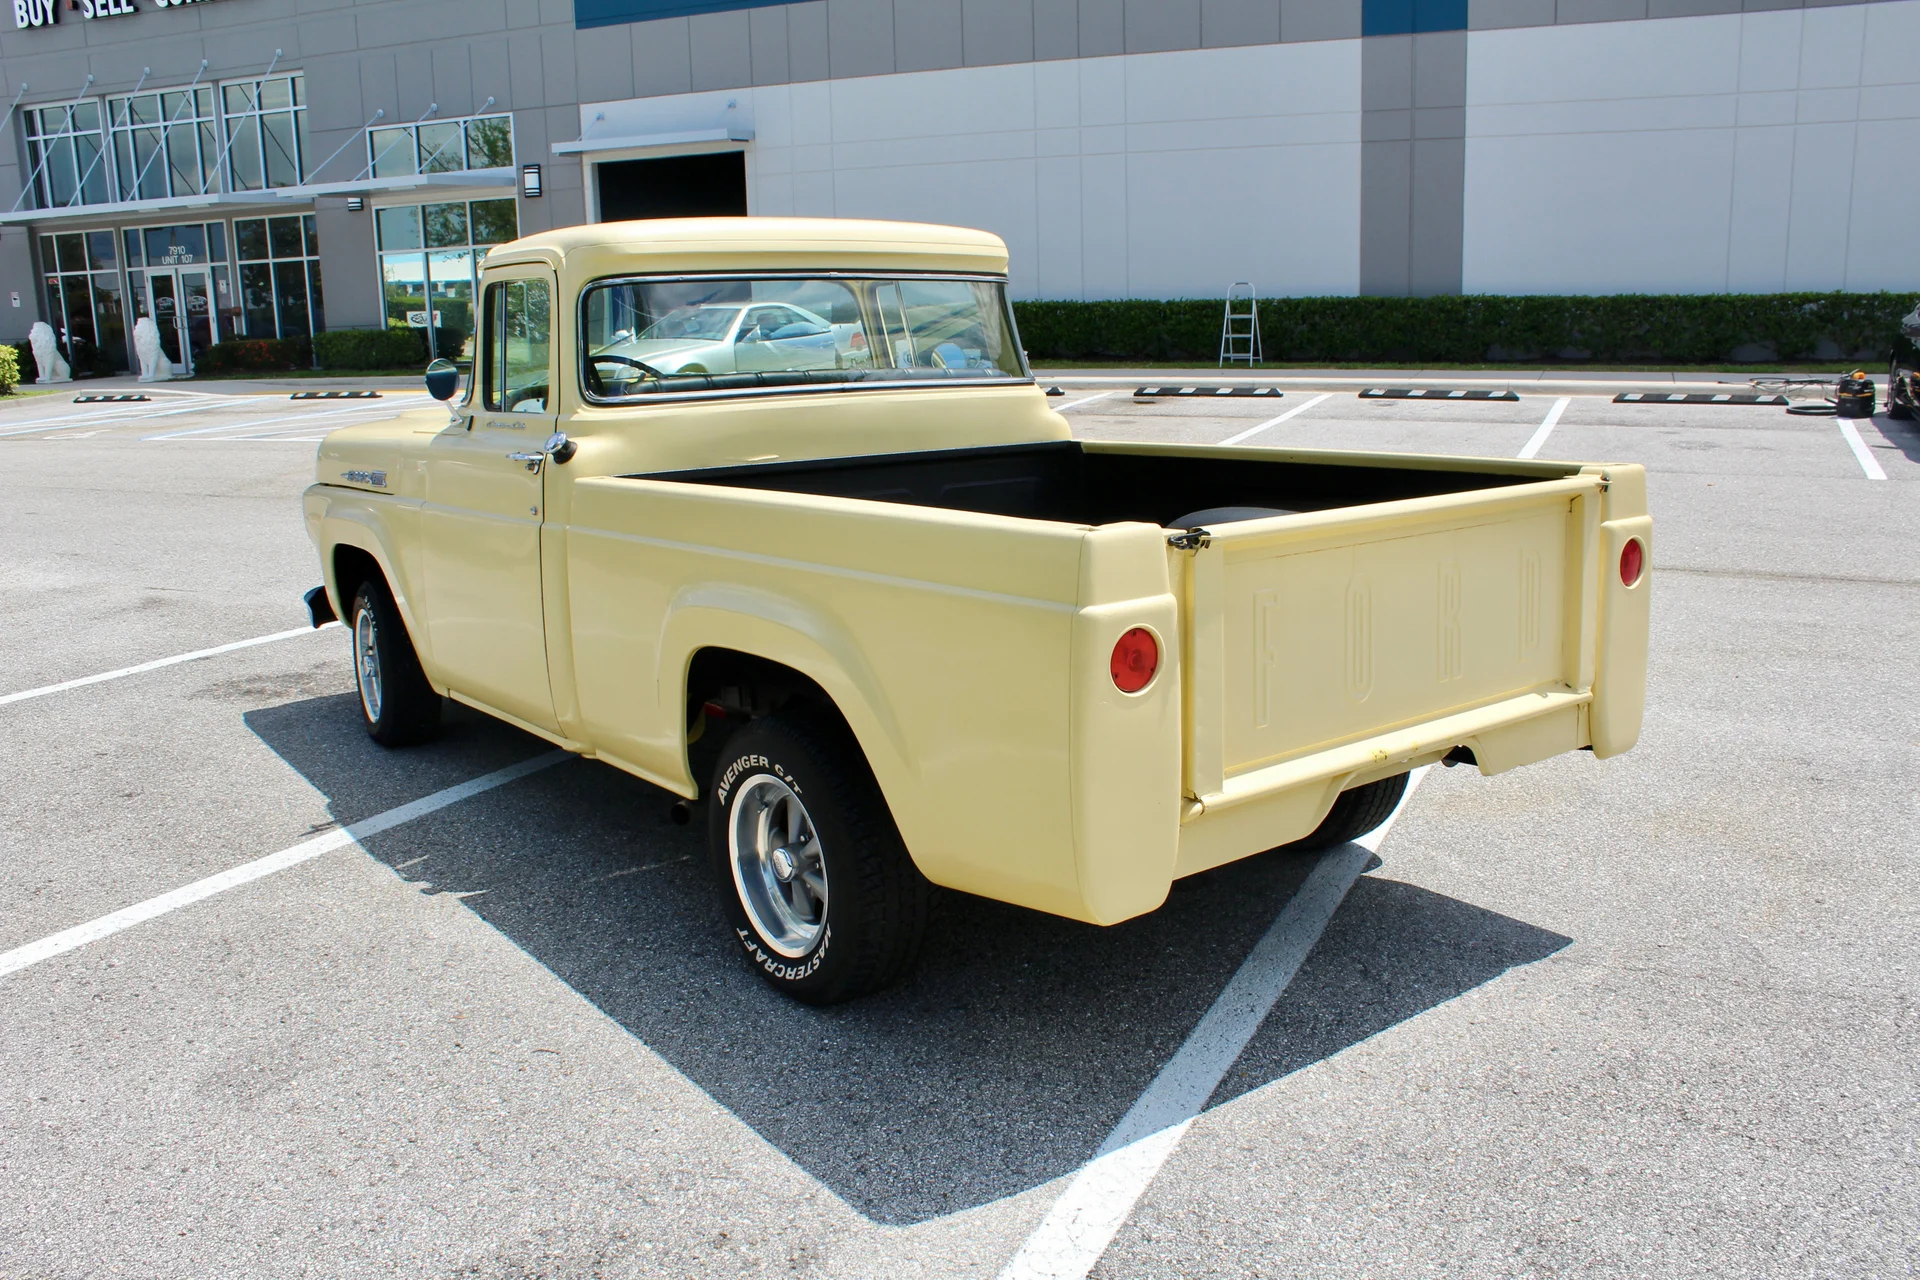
(607, 13)
(1402, 17)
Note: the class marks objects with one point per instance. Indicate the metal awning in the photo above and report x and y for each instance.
(639, 141)
(274, 198)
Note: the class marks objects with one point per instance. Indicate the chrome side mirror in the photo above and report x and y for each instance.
(443, 379)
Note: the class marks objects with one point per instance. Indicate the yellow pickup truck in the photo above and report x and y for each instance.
(770, 513)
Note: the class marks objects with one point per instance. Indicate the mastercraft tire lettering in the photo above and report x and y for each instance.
(813, 878)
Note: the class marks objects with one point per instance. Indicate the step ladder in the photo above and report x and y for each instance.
(1240, 328)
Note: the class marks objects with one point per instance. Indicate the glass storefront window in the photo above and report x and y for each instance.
(436, 290)
(399, 228)
(256, 299)
(441, 146)
(176, 122)
(403, 285)
(446, 224)
(100, 254)
(266, 131)
(495, 221)
(392, 153)
(283, 237)
(490, 143)
(66, 150)
(250, 239)
(84, 300)
(280, 293)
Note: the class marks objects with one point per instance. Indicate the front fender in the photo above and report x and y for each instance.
(386, 528)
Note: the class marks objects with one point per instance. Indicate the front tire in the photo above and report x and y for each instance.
(1898, 408)
(1356, 812)
(816, 885)
(397, 703)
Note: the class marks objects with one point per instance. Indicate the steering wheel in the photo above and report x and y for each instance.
(641, 365)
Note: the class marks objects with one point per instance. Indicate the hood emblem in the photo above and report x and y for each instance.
(378, 479)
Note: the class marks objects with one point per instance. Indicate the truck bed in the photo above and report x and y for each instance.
(1077, 483)
(960, 607)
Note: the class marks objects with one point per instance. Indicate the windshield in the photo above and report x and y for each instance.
(648, 337)
(692, 322)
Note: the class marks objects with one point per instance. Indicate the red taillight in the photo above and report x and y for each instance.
(1633, 561)
(1136, 657)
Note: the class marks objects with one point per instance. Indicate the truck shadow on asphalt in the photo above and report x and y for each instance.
(999, 1065)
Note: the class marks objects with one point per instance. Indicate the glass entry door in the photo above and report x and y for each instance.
(183, 312)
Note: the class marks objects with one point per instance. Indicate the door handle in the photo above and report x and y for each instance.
(533, 460)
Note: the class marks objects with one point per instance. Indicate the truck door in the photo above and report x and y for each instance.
(486, 504)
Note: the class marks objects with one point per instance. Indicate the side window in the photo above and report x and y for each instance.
(518, 346)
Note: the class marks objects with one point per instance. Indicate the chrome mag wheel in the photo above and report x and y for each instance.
(366, 662)
(774, 852)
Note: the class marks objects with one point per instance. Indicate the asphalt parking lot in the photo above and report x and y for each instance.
(1641, 1017)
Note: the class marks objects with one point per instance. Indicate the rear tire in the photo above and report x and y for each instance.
(1899, 409)
(814, 880)
(1356, 812)
(397, 703)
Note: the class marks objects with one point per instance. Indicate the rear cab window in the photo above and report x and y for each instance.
(646, 337)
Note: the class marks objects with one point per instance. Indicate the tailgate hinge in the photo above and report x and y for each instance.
(1189, 540)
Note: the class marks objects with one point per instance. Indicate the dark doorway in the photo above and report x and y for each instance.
(709, 186)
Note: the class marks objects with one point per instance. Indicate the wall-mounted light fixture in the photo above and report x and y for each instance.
(355, 204)
(530, 181)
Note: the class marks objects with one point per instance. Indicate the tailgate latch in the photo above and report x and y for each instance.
(1189, 539)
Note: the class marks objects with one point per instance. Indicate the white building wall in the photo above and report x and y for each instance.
(1147, 175)
(1747, 152)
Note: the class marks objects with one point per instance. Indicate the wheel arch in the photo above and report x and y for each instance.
(776, 651)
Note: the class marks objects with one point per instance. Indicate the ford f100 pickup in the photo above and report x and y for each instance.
(770, 513)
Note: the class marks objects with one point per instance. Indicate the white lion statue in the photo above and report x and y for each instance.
(46, 355)
(154, 365)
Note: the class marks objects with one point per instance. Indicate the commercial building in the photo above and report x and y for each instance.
(271, 168)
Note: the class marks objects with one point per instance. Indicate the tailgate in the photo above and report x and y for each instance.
(1326, 643)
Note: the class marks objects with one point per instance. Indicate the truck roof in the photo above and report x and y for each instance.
(598, 249)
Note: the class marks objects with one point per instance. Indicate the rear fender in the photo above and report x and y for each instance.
(779, 629)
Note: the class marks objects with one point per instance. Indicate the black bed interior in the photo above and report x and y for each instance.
(1059, 480)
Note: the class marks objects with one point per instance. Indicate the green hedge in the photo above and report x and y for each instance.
(9, 369)
(371, 349)
(256, 355)
(1620, 328)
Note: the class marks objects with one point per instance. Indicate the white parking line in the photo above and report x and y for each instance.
(1539, 438)
(1082, 1223)
(105, 926)
(119, 413)
(157, 663)
(1294, 412)
(1868, 463)
(371, 412)
(1088, 400)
